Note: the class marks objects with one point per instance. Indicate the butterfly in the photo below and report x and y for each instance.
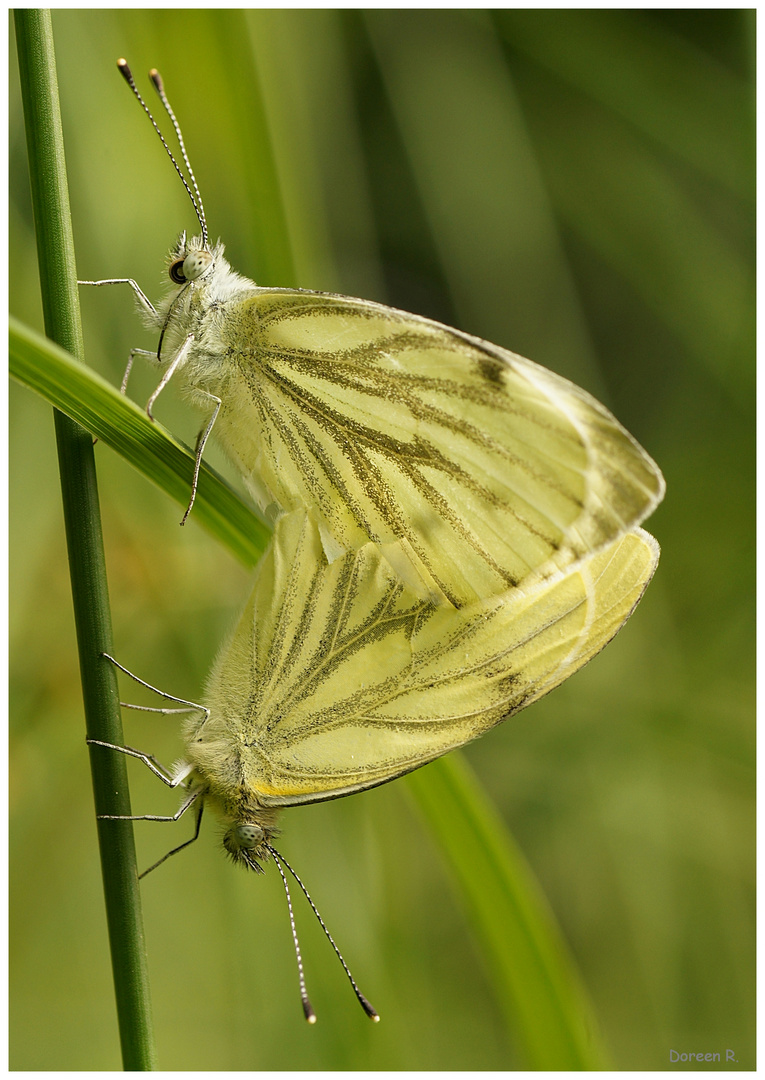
(471, 469)
(339, 677)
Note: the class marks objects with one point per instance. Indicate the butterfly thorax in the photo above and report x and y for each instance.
(204, 287)
(217, 753)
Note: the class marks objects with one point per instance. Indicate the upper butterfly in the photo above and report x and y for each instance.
(471, 468)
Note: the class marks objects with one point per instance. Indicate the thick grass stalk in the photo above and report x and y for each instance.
(58, 282)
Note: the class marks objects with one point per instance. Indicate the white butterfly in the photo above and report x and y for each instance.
(471, 468)
(338, 677)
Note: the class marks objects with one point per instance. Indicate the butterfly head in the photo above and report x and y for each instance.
(191, 260)
(200, 277)
(247, 842)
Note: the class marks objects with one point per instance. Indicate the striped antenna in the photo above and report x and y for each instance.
(196, 198)
(366, 1006)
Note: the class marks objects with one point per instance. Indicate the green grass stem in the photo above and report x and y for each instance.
(58, 282)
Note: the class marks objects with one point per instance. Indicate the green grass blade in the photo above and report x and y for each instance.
(87, 398)
(547, 1008)
(627, 64)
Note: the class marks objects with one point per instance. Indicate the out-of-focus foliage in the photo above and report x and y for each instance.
(578, 187)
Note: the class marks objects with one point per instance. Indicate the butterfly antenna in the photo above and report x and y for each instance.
(127, 75)
(278, 859)
(159, 86)
(310, 1015)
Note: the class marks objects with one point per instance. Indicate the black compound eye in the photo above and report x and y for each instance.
(176, 273)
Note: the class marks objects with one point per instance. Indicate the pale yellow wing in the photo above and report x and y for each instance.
(470, 466)
(338, 677)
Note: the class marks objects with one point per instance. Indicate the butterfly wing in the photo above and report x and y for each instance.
(470, 466)
(339, 677)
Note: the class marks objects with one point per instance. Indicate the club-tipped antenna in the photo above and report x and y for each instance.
(196, 201)
(310, 1015)
(159, 86)
(366, 1006)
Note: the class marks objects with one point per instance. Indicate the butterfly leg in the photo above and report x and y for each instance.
(173, 780)
(141, 295)
(131, 357)
(201, 443)
(191, 706)
(167, 778)
(176, 362)
(133, 353)
(175, 850)
(147, 306)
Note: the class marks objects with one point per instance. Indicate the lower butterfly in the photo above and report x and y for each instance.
(339, 677)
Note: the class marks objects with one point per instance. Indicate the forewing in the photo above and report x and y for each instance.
(339, 677)
(476, 467)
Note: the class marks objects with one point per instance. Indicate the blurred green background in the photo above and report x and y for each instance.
(578, 187)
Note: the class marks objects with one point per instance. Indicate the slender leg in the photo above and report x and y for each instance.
(201, 443)
(133, 353)
(178, 359)
(180, 847)
(192, 705)
(196, 795)
(173, 780)
(168, 374)
(142, 297)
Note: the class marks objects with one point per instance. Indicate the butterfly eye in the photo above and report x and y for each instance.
(243, 837)
(191, 267)
(176, 273)
(249, 835)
